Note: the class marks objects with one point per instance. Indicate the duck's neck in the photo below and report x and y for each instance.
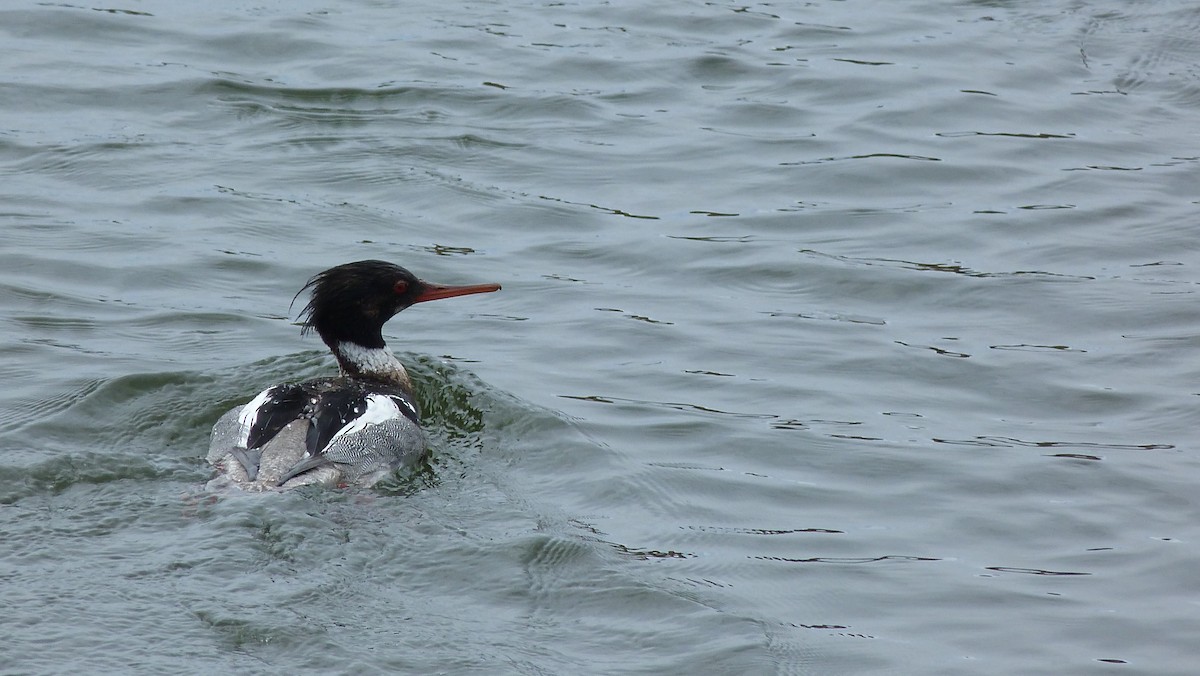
(377, 363)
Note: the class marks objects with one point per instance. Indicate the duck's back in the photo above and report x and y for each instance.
(333, 431)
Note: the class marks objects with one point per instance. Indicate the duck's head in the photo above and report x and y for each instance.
(351, 302)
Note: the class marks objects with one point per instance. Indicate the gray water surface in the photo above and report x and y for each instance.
(836, 337)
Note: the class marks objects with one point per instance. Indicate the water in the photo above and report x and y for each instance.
(836, 337)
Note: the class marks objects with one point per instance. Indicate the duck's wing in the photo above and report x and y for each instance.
(364, 423)
(271, 411)
(258, 422)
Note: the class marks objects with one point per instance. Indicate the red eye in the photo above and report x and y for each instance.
(400, 287)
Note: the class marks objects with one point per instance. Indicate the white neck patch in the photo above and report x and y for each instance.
(379, 362)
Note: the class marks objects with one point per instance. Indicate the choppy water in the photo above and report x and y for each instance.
(836, 337)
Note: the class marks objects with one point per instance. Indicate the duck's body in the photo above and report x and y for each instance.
(352, 429)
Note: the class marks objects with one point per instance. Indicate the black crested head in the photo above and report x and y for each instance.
(352, 302)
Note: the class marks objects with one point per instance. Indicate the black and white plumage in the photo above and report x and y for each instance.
(352, 429)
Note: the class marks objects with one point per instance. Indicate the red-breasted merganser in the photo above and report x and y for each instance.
(353, 429)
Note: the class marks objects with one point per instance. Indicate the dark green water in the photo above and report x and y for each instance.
(836, 337)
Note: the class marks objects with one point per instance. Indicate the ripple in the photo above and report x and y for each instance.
(1008, 442)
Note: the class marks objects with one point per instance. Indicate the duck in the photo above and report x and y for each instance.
(352, 429)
